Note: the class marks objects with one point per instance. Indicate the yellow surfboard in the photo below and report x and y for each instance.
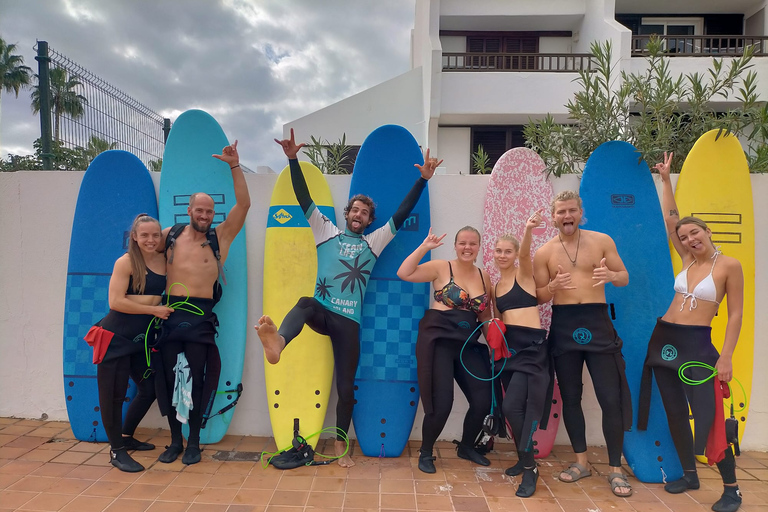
(299, 385)
(715, 186)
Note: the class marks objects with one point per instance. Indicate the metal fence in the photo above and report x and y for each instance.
(87, 115)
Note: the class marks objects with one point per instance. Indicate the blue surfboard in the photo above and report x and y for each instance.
(386, 389)
(188, 167)
(115, 189)
(620, 200)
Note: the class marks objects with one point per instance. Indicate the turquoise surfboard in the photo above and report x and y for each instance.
(386, 389)
(188, 167)
(620, 199)
(115, 189)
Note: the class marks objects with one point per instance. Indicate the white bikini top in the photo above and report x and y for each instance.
(705, 290)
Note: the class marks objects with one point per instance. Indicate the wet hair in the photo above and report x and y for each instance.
(138, 266)
(696, 222)
(367, 201)
(565, 195)
(467, 228)
(508, 237)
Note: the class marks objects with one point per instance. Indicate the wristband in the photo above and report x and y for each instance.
(549, 289)
(233, 166)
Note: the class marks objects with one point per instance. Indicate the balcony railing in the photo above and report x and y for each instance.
(544, 62)
(702, 46)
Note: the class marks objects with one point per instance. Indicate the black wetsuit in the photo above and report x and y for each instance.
(335, 309)
(442, 335)
(584, 333)
(671, 346)
(195, 335)
(125, 357)
(526, 374)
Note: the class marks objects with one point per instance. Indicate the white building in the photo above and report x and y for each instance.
(481, 69)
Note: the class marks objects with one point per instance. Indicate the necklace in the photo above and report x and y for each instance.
(578, 243)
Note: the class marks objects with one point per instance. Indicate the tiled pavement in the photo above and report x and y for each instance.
(42, 467)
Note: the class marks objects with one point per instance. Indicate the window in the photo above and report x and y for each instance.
(503, 45)
(496, 140)
(674, 27)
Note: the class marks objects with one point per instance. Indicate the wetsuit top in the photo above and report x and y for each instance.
(154, 284)
(454, 296)
(515, 298)
(705, 290)
(345, 259)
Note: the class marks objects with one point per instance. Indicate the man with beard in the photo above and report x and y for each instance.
(192, 262)
(571, 270)
(335, 310)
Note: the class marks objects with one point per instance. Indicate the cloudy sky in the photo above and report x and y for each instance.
(253, 64)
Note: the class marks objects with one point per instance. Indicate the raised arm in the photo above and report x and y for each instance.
(525, 264)
(228, 230)
(300, 188)
(410, 270)
(427, 171)
(668, 204)
(541, 276)
(734, 289)
(118, 284)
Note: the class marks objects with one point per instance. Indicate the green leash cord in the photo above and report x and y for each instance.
(328, 430)
(183, 305)
(713, 373)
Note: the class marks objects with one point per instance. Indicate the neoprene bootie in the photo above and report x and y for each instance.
(124, 462)
(528, 485)
(515, 470)
(730, 501)
(171, 453)
(426, 462)
(191, 455)
(131, 443)
(690, 480)
(469, 453)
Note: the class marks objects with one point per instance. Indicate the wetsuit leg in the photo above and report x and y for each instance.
(307, 311)
(676, 407)
(514, 406)
(702, 401)
(606, 380)
(197, 355)
(145, 396)
(169, 352)
(345, 340)
(477, 392)
(112, 379)
(442, 395)
(569, 369)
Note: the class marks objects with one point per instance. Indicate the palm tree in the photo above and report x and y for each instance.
(96, 146)
(63, 97)
(14, 75)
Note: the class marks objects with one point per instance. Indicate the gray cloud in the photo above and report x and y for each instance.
(253, 64)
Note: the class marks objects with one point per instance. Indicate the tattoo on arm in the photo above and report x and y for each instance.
(673, 212)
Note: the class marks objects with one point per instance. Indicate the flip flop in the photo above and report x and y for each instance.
(576, 471)
(619, 480)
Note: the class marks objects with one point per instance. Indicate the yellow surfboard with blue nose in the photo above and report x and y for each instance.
(715, 186)
(299, 385)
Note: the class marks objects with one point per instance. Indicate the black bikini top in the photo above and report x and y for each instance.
(515, 298)
(454, 296)
(154, 285)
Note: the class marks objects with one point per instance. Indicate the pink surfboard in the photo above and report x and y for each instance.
(518, 187)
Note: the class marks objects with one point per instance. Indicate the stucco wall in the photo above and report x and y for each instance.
(37, 210)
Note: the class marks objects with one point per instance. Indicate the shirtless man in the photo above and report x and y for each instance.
(571, 270)
(191, 262)
(338, 251)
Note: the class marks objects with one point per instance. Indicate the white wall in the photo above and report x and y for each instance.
(555, 44)
(454, 149)
(37, 210)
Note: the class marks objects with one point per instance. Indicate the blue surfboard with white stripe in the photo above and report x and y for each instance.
(115, 189)
(386, 389)
(620, 199)
(188, 167)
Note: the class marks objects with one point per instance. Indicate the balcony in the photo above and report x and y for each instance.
(703, 46)
(527, 62)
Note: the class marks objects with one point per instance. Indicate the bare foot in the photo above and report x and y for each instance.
(345, 461)
(272, 341)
